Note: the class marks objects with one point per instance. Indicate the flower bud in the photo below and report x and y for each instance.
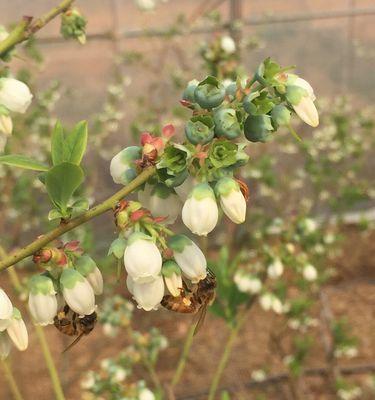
(123, 168)
(42, 299)
(17, 331)
(77, 292)
(142, 258)
(310, 273)
(257, 128)
(200, 129)
(209, 93)
(6, 124)
(149, 295)
(6, 307)
(14, 95)
(4, 345)
(247, 283)
(86, 266)
(226, 123)
(275, 269)
(228, 44)
(189, 257)
(161, 201)
(301, 96)
(172, 277)
(200, 213)
(232, 201)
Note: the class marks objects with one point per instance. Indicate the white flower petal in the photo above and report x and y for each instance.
(149, 295)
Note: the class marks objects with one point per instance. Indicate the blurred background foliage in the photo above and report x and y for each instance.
(311, 203)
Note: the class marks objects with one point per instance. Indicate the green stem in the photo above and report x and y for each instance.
(223, 361)
(294, 133)
(234, 330)
(8, 374)
(106, 205)
(56, 384)
(184, 356)
(25, 28)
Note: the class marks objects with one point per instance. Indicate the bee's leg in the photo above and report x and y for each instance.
(74, 321)
(66, 309)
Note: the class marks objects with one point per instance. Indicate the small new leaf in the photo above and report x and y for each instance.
(58, 148)
(18, 160)
(69, 148)
(76, 143)
(61, 182)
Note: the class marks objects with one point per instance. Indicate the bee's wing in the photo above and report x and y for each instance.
(201, 317)
(75, 341)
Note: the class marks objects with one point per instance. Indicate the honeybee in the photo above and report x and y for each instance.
(69, 323)
(193, 300)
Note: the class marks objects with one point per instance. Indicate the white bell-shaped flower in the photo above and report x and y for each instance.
(122, 167)
(247, 283)
(17, 331)
(6, 307)
(5, 345)
(275, 269)
(200, 212)
(304, 104)
(146, 394)
(149, 295)
(232, 201)
(42, 299)
(310, 273)
(189, 257)
(172, 277)
(6, 124)
(185, 188)
(161, 201)
(87, 267)
(77, 292)
(14, 95)
(228, 44)
(269, 301)
(142, 258)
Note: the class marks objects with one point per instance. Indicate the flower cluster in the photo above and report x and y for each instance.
(12, 327)
(114, 381)
(70, 277)
(200, 173)
(153, 256)
(73, 25)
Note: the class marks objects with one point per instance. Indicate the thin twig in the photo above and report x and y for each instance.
(26, 27)
(101, 208)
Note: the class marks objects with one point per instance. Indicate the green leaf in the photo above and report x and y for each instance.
(69, 148)
(76, 143)
(18, 160)
(54, 214)
(61, 182)
(58, 148)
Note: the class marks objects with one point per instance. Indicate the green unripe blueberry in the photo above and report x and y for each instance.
(200, 130)
(209, 93)
(231, 89)
(280, 115)
(188, 93)
(257, 128)
(226, 123)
